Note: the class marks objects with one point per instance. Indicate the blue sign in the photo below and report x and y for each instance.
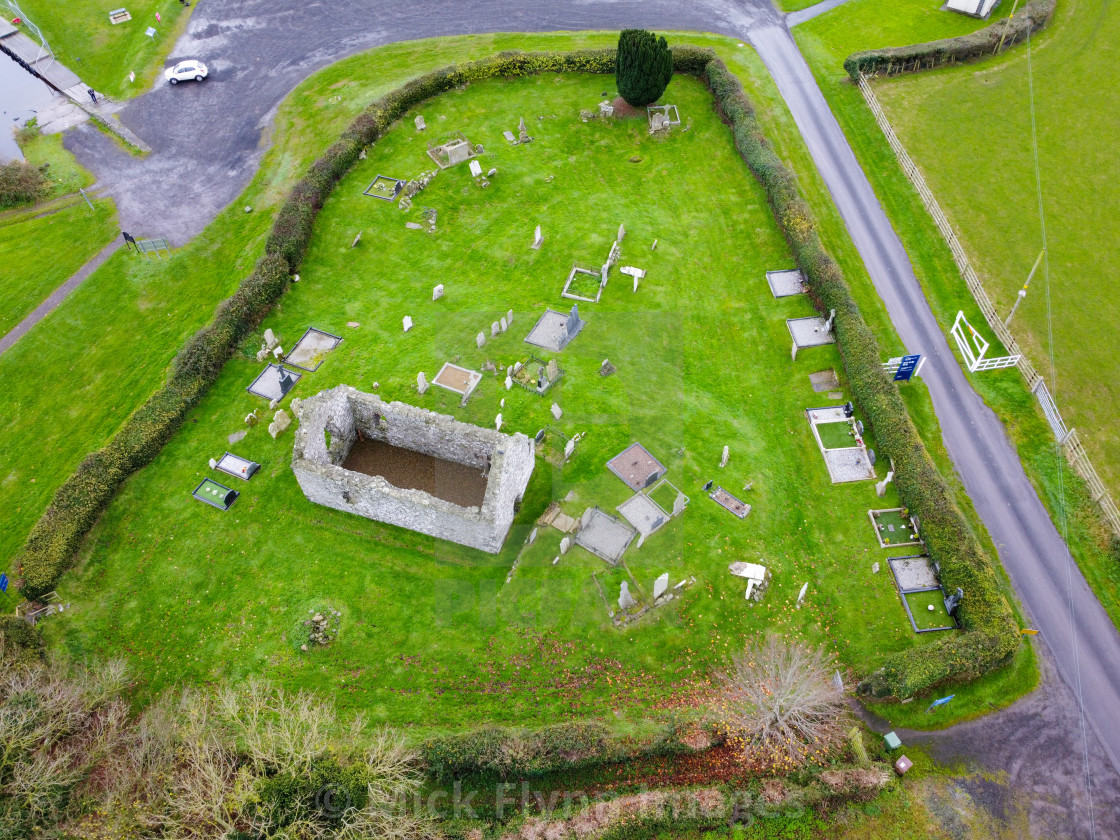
(3, 583)
(906, 367)
(940, 702)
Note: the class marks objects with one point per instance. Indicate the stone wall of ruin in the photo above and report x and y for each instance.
(344, 412)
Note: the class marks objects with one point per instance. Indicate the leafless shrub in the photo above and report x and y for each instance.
(779, 705)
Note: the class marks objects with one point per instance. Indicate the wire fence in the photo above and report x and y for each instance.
(1070, 442)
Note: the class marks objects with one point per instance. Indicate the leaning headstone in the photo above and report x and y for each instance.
(509, 317)
(498, 422)
(494, 329)
(480, 339)
(251, 418)
(419, 123)
(801, 594)
(569, 448)
(565, 544)
(503, 325)
(270, 339)
(726, 455)
(621, 233)
(532, 536)
(653, 247)
(625, 599)
(537, 238)
(557, 412)
(660, 585)
(213, 464)
(421, 383)
(407, 323)
(437, 292)
(553, 370)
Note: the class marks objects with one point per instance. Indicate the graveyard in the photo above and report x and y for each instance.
(673, 377)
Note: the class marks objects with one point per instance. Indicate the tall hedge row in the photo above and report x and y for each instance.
(990, 636)
(975, 45)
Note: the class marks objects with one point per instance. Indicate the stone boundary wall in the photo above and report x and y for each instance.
(345, 412)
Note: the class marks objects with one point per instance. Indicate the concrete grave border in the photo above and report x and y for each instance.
(295, 350)
(642, 499)
(874, 526)
(524, 364)
(722, 497)
(225, 464)
(835, 414)
(660, 470)
(902, 593)
(596, 512)
(786, 282)
(551, 314)
(398, 186)
(198, 495)
(572, 276)
(252, 387)
(803, 338)
(473, 376)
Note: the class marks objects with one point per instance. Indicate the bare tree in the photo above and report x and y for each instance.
(779, 704)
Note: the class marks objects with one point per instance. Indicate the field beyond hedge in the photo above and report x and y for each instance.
(430, 634)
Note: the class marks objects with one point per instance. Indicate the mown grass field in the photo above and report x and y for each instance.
(431, 635)
(826, 41)
(102, 54)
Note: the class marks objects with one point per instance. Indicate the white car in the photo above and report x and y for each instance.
(185, 70)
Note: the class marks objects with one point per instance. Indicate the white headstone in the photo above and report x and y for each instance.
(502, 403)
(270, 339)
(498, 422)
(278, 352)
(621, 233)
(875, 568)
(421, 382)
(678, 504)
(653, 247)
(557, 412)
(274, 402)
(569, 448)
(537, 238)
(437, 292)
(419, 122)
(660, 585)
(407, 323)
(280, 422)
(476, 169)
(480, 339)
(565, 544)
(801, 594)
(213, 464)
(495, 328)
(831, 319)
(641, 539)
(726, 455)
(625, 600)
(636, 282)
(503, 325)
(509, 381)
(532, 536)
(509, 317)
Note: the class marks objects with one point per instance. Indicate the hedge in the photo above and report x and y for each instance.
(976, 45)
(990, 635)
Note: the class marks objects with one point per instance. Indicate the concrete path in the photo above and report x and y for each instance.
(802, 15)
(206, 142)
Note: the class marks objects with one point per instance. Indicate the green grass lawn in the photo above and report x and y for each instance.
(431, 636)
(836, 435)
(102, 54)
(924, 617)
(65, 173)
(826, 41)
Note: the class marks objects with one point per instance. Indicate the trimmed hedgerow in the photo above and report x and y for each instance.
(506, 752)
(989, 637)
(975, 45)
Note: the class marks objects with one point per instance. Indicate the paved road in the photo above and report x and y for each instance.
(207, 143)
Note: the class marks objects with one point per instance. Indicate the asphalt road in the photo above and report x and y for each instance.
(207, 142)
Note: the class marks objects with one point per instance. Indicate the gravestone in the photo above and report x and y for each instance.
(954, 601)
(553, 370)
(875, 568)
(279, 423)
(881, 487)
(421, 383)
(509, 317)
(532, 536)
(407, 323)
(509, 381)
(565, 544)
(653, 247)
(573, 323)
(270, 339)
(557, 412)
(457, 151)
(494, 329)
(625, 599)
(537, 238)
(871, 456)
(829, 322)
(262, 354)
(251, 419)
(521, 125)
(726, 455)
(413, 225)
(437, 292)
(606, 109)
(476, 169)
(237, 437)
(278, 352)
(569, 448)
(509, 136)
(419, 123)
(660, 585)
(707, 486)
(480, 339)
(657, 122)
(606, 369)
(621, 233)
(635, 282)
(801, 595)
(503, 324)
(213, 464)
(539, 437)
(498, 422)
(678, 504)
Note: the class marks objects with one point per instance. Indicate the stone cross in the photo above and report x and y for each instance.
(660, 585)
(726, 455)
(537, 238)
(881, 487)
(480, 339)
(557, 412)
(569, 448)
(954, 601)
(801, 594)
(625, 599)
(407, 323)
(419, 122)
(437, 292)
(565, 544)
(498, 422)
(621, 233)
(494, 329)
(421, 383)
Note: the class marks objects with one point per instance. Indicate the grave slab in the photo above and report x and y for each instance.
(458, 380)
(553, 330)
(238, 466)
(636, 467)
(604, 536)
(786, 283)
(309, 351)
(274, 382)
(642, 513)
(809, 332)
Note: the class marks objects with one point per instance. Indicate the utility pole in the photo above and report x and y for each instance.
(1023, 291)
